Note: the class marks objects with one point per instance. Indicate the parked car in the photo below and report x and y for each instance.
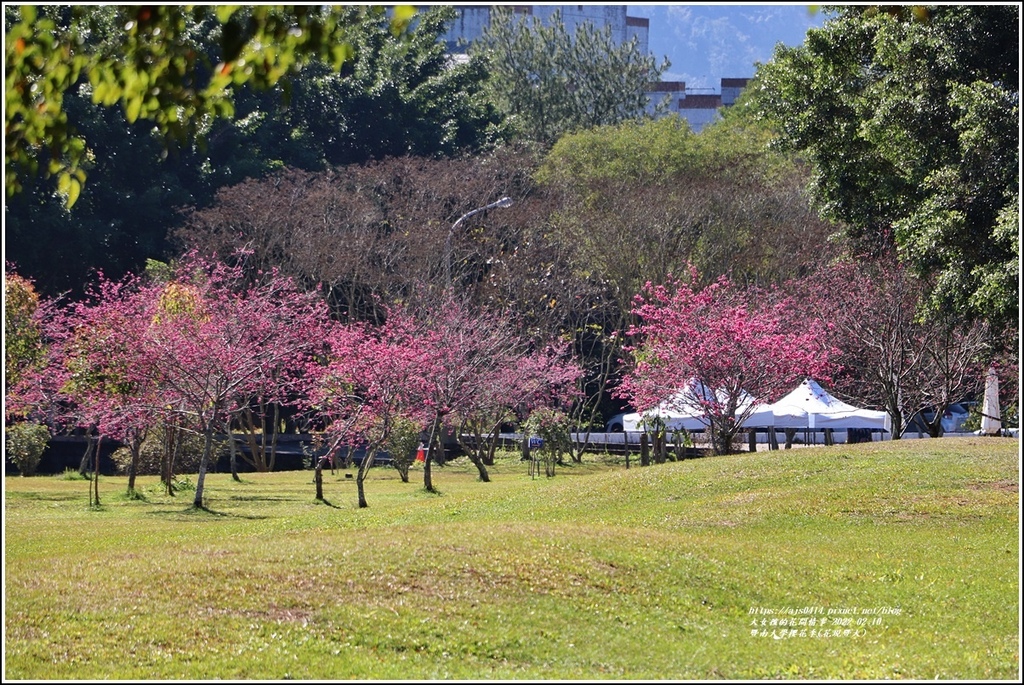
(953, 418)
(614, 424)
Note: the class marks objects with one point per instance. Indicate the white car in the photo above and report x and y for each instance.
(614, 424)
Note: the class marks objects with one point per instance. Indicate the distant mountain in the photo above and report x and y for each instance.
(706, 43)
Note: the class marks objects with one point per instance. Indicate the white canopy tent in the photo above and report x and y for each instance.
(683, 411)
(811, 406)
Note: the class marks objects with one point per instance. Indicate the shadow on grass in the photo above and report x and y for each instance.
(434, 493)
(262, 498)
(193, 513)
(45, 497)
(328, 503)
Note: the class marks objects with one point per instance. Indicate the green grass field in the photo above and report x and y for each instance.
(874, 561)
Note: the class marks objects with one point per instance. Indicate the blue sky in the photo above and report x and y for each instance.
(708, 42)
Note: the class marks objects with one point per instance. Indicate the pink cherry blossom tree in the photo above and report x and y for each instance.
(191, 350)
(110, 378)
(744, 347)
(466, 351)
(518, 384)
(218, 340)
(95, 372)
(369, 384)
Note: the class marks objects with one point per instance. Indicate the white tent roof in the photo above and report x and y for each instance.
(761, 416)
(682, 411)
(810, 406)
(673, 420)
(678, 412)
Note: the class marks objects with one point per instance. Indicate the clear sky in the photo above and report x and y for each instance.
(708, 42)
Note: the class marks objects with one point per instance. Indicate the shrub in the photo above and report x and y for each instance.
(24, 443)
(402, 443)
(552, 427)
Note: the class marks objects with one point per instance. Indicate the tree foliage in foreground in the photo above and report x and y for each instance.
(152, 63)
(913, 130)
(395, 95)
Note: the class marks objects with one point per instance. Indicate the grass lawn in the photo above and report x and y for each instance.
(869, 561)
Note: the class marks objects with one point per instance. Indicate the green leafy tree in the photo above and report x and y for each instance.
(401, 445)
(22, 337)
(153, 65)
(550, 82)
(24, 444)
(122, 215)
(552, 427)
(639, 201)
(396, 95)
(911, 120)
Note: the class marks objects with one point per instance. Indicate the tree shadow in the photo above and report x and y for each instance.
(193, 513)
(261, 498)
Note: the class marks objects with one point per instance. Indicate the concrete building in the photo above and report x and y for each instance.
(473, 19)
(698, 109)
(731, 89)
(658, 92)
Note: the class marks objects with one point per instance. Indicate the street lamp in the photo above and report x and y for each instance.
(503, 202)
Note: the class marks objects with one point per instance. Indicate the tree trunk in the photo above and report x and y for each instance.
(234, 458)
(934, 427)
(472, 449)
(428, 483)
(660, 448)
(203, 463)
(403, 471)
(96, 471)
(478, 462)
(176, 438)
(492, 446)
(752, 440)
(364, 467)
(479, 446)
(318, 477)
(318, 465)
(256, 447)
(133, 466)
(645, 452)
(721, 440)
(165, 459)
(234, 452)
(83, 466)
(897, 425)
(273, 436)
(790, 435)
